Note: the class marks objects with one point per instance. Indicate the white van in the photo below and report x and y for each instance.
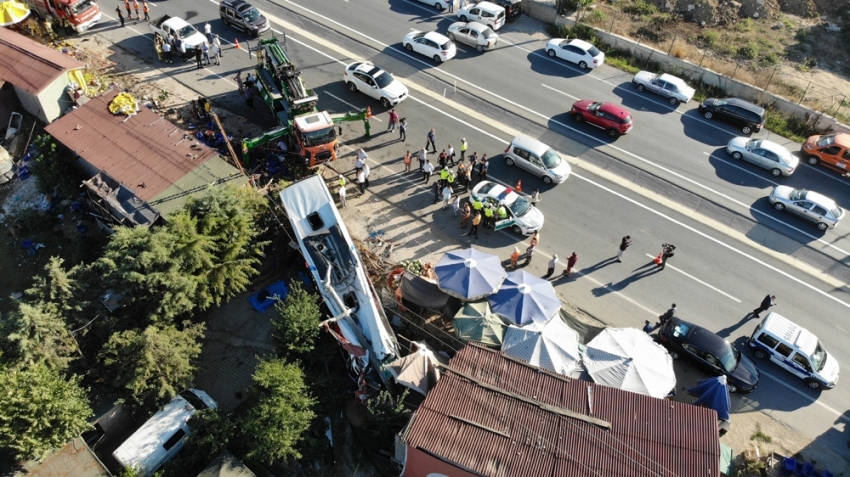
(796, 349)
(164, 434)
(537, 158)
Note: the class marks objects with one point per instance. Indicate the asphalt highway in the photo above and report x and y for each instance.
(669, 180)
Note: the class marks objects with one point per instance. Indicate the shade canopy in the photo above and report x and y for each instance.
(713, 394)
(420, 370)
(552, 345)
(475, 322)
(469, 274)
(628, 358)
(524, 298)
(12, 12)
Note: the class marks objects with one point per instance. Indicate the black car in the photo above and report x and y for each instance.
(513, 8)
(709, 352)
(750, 117)
(242, 15)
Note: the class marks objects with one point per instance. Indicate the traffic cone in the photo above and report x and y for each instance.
(518, 187)
(657, 260)
(368, 111)
(237, 44)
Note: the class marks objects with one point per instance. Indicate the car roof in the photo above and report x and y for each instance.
(436, 36)
(615, 110)
(774, 147)
(367, 68)
(791, 332)
(487, 6)
(477, 26)
(842, 139)
(581, 44)
(745, 104)
(820, 199)
(499, 192)
(673, 79)
(703, 338)
(530, 144)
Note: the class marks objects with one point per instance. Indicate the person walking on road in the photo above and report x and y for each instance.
(361, 158)
(199, 56)
(769, 300)
(407, 161)
(366, 172)
(432, 138)
(475, 221)
(535, 238)
(529, 253)
(136, 8)
(451, 6)
(670, 313)
(217, 42)
(427, 169)
(361, 181)
(482, 168)
(239, 82)
(127, 7)
(535, 197)
(624, 244)
(571, 262)
(120, 16)
(342, 196)
(463, 147)
(464, 215)
(393, 121)
(208, 31)
(166, 51)
(447, 196)
(647, 327)
(666, 253)
(423, 157)
(215, 51)
(249, 97)
(146, 10)
(205, 50)
(552, 264)
(402, 129)
(455, 203)
(514, 258)
(450, 153)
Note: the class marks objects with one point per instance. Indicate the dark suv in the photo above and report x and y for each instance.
(242, 15)
(750, 117)
(513, 8)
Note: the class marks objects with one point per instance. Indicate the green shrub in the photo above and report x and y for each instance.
(596, 17)
(791, 127)
(750, 51)
(640, 7)
(709, 38)
(770, 59)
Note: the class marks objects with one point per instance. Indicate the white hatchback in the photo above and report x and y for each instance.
(374, 82)
(580, 52)
(430, 44)
(538, 159)
(487, 13)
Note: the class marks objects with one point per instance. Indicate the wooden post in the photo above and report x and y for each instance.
(230, 147)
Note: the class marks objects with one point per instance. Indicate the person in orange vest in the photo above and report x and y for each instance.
(136, 8)
(514, 258)
(127, 7)
(146, 10)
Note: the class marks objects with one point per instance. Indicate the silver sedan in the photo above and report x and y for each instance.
(769, 155)
(474, 34)
(807, 204)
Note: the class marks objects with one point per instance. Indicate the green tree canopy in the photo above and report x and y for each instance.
(155, 363)
(39, 409)
(279, 414)
(37, 334)
(297, 322)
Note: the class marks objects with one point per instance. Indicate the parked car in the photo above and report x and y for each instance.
(580, 52)
(763, 153)
(796, 350)
(513, 8)
(523, 218)
(474, 34)
(614, 120)
(440, 4)
(374, 82)
(809, 205)
(537, 158)
(487, 13)
(744, 114)
(674, 89)
(242, 15)
(430, 44)
(710, 353)
(832, 150)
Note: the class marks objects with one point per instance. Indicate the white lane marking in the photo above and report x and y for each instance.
(628, 199)
(346, 102)
(699, 281)
(782, 382)
(560, 92)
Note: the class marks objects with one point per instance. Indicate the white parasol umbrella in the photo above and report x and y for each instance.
(627, 358)
(552, 345)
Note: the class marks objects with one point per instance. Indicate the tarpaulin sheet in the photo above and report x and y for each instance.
(421, 292)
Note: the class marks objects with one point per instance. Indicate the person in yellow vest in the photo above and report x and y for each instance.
(341, 180)
(444, 174)
(463, 147)
(477, 206)
(450, 179)
(503, 212)
(488, 217)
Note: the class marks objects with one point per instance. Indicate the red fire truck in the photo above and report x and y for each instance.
(82, 14)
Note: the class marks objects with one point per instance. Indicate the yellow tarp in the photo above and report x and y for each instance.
(124, 104)
(77, 76)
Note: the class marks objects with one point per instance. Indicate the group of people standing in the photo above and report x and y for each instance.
(130, 9)
(204, 54)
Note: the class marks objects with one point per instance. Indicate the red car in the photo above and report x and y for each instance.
(615, 120)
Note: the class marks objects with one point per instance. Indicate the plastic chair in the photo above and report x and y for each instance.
(808, 470)
(26, 244)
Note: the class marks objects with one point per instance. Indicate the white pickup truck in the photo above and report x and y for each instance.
(181, 29)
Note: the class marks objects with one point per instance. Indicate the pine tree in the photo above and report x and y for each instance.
(39, 409)
(297, 323)
(155, 363)
(279, 414)
(37, 334)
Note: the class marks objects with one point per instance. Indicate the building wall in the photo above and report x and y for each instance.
(50, 103)
(421, 464)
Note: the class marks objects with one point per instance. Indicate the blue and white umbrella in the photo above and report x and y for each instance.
(524, 298)
(470, 274)
(713, 394)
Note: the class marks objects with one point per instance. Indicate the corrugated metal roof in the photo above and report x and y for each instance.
(499, 417)
(146, 153)
(75, 459)
(29, 65)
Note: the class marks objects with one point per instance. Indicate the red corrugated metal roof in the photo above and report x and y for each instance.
(29, 65)
(146, 152)
(499, 417)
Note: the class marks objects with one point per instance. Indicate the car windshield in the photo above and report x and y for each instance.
(594, 51)
(488, 33)
(194, 400)
(826, 140)
(520, 207)
(754, 143)
(837, 212)
(551, 159)
(187, 30)
(446, 45)
(818, 357)
(594, 106)
(383, 79)
(719, 102)
(322, 136)
(731, 359)
(798, 194)
(251, 15)
(80, 7)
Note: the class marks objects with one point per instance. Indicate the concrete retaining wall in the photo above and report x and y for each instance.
(545, 12)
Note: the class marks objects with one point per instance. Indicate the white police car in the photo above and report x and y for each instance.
(523, 218)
